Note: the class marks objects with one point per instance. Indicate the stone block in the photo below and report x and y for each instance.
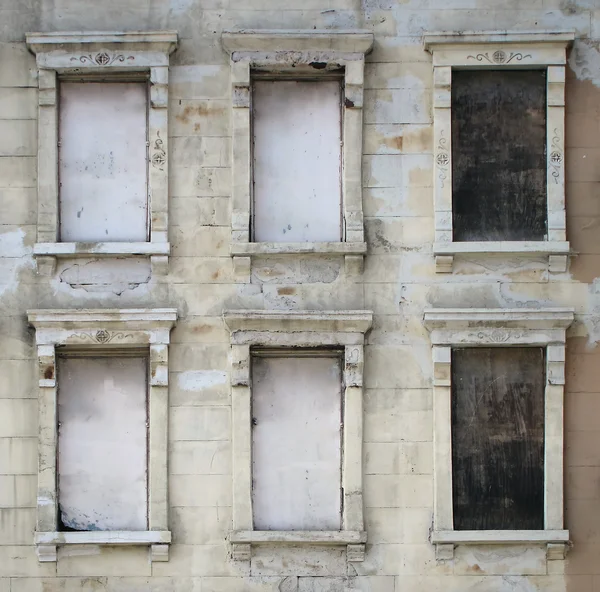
(18, 525)
(18, 103)
(19, 137)
(200, 356)
(201, 151)
(199, 387)
(18, 418)
(18, 206)
(96, 560)
(398, 105)
(200, 423)
(199, 81)
(200, 526)
(500, 560)
(197, 117)
(200, 560)
(18, 65)
(397, 458)
(18, 561)
(398, 491)
(298, 561)
(18, 171)
(398, 367)
(208, 241)
(18, 491)
(200, 490)
(398, 525)
(200, 458)
(18, 456)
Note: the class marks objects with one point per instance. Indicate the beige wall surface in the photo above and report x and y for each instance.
(398, 282)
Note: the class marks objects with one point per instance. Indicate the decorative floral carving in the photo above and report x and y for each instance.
(442, 158)
(493, 336)
(102, 336)
(499, 57)
(159, 158)
(102, 58)
(556, 157)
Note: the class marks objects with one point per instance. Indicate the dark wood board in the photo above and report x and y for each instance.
(498, 438)
(499, 155)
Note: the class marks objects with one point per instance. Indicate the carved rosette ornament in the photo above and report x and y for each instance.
(159, 158)
(499, 57)
(102, 58)
(442, 158)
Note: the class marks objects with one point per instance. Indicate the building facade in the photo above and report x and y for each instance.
(299, 297)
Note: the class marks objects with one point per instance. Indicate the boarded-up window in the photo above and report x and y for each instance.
(498, 438)
(296, 443)
(297, 160)
(103, 161)
(102, 443)
(499, 155)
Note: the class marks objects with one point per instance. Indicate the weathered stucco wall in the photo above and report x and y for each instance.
(398, 282)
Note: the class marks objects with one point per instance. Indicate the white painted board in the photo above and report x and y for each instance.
(103, 162)
(102, 443)
(296, 443)
(297, 161)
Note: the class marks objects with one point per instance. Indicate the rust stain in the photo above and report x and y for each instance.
(49, 373)
(202, 329)
(394, 142)
(475, 569)
(215, 275)
(201, 110)
(286, 291)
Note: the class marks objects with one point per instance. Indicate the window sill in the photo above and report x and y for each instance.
(445, 540)
(47, 253)
(243, 540)
(353, 252)
(328, 248)
(557, 251)
(157, 540)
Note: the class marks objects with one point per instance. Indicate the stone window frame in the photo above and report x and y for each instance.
(496, 51)
(101, 54)
(89, 331)
(489, 327)
(286, 330)
(286, 52)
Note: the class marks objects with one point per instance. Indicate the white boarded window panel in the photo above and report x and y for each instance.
(297, 161)
(296, 442)
(103, 162)
(102, 450)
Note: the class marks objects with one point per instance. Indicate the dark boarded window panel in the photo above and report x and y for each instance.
(499, 155)
(498, 438)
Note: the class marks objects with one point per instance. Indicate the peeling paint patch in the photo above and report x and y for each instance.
(115, 275)
(585, 61)
(199, 380)
(12, 246)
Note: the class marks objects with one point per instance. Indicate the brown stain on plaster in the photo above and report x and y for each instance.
(49, 373)
(582, 459)
(215, 275)
(394, 142)
(201, 110)
(582, 162)
(201, 329)
(475, 569)
(286, 291)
